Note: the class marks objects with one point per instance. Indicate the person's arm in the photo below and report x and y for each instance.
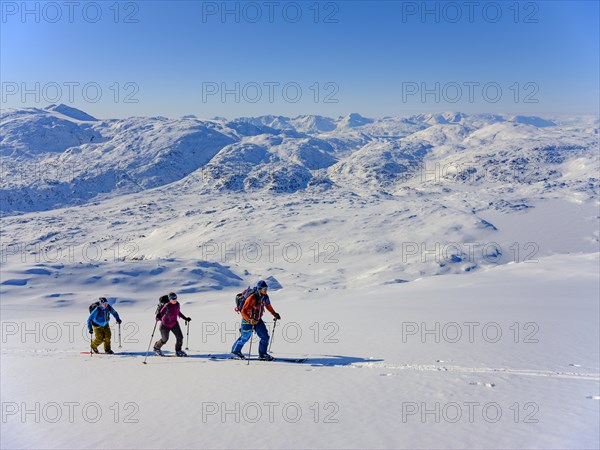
(90, 318)
(247, 308)
(272, 311)
(115, 314)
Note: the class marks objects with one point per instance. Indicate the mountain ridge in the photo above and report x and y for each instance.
(56, 159)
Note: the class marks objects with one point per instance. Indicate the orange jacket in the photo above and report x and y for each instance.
(254, 308)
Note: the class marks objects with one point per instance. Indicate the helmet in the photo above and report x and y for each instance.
(261, 285)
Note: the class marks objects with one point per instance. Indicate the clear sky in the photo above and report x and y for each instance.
(117, 59)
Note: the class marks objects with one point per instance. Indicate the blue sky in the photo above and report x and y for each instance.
(376, 58)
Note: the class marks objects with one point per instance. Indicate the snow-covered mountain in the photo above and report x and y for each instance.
(72, 113)
(353, 120)
(274, 163)
(380, 164)
(60, 156)
(50, 161)
(438, 178)
(441, 177)
(36, 132)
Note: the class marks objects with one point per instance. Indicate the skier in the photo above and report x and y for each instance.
(252, 311)
(99, 319)
(168, 316)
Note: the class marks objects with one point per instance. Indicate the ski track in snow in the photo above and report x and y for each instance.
(320, 361)
(460, 369)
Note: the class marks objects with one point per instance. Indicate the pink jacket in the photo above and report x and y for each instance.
(169, 314)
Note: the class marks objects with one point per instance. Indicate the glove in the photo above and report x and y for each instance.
(157, 318)
(253, 322)
(188, 319)
(119, 321)
(277, 316)
(91, 332)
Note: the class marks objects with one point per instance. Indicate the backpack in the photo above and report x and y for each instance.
(240, 298)
(162, 301)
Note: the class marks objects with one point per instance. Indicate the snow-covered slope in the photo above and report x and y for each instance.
(72, 113)
(379, 164)
(506, 358)
(271, 162)
(313, 124)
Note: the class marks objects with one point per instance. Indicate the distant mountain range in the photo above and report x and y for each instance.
(60, 156)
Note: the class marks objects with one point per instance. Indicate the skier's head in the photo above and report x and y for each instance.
(172, 297)
(262, 286)
(103, 302)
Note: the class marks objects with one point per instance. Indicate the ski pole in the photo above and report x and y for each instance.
(187, 339)
(119, 335)
(272, 337)
(250, 350)
(91, 348)
(151, 337)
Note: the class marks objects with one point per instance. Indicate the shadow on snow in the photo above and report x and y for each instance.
(318, 360)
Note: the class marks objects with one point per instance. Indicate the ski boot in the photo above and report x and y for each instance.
(265, 357)
(158, 352)
(238, 355)
(181, 353)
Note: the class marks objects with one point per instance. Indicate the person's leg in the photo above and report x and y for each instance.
(178, 336)
(98, 337)
(164, 334)
(246, 332)
(263, 334)
(106, 339)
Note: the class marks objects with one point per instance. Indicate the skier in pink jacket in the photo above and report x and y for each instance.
(168, 316)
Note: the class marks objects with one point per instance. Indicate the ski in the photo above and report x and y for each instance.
(100, 353)
(169, 355)
(290, 360)
(287, 360)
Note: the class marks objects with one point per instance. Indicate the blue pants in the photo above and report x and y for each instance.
(261, 330)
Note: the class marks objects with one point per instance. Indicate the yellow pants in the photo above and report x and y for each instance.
(103, 334)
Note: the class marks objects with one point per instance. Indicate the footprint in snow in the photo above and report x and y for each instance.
(593, 397)
(575, 365)
(480, 383)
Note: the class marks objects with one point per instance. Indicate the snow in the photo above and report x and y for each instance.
(72, 113)
(425, 265)
(367, 368)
